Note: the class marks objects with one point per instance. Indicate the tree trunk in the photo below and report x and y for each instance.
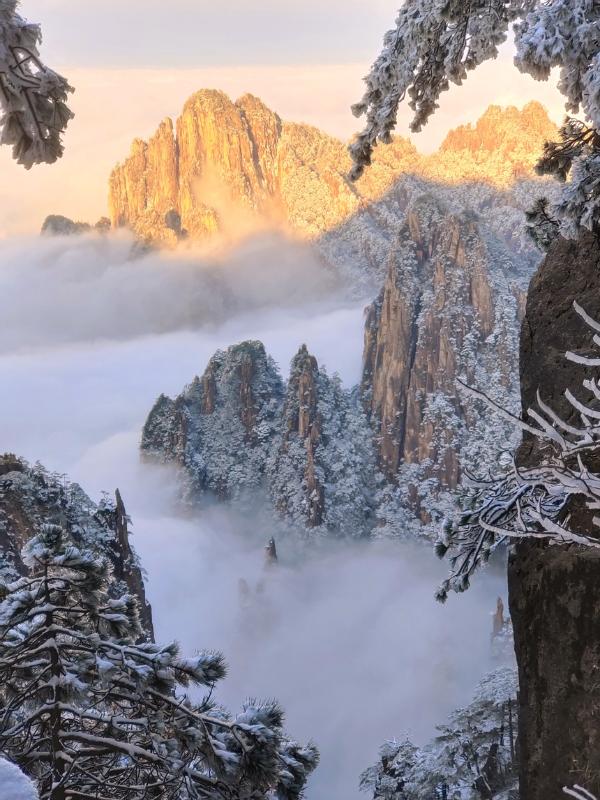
(554, 592)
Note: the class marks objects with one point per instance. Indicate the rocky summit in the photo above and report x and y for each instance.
(224, 160)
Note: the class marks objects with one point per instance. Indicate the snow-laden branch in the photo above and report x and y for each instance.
(90, 713)
(33, 98)
(435, 43)
(533, 502)
(579, 793)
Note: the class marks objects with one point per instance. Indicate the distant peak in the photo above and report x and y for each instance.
(224, 161)
(500, 127)
(209, 98)
(251, 100)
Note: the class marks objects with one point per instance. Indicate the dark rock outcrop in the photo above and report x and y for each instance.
(57, 225)
(554, 597)
(126, 568)
(31, 497)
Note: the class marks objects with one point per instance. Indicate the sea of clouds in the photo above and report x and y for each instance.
(350, 640)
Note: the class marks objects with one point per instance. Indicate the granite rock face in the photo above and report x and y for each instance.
(448, 309)
(219, 431)
(504, 142)
(229, 159)
(31, 497)
(223, 161)
(302, 420)
(554, 599)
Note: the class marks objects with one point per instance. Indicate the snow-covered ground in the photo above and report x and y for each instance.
(14, 785)
(352, 642)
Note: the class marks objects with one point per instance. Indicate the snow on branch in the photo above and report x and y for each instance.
(579, 793)
(89, 711)
(532, 502)
(435, 43)
(33, 98)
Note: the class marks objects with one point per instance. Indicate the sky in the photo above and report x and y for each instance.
(133, 63)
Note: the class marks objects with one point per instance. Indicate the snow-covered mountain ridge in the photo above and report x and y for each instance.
(388, 455)
(31, 497)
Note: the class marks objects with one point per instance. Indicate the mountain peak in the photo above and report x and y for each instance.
(504, 129)
(238, 160)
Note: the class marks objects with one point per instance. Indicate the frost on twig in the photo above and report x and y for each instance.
(33, 98)
(533, 502)
(436, 43)
(579, 793)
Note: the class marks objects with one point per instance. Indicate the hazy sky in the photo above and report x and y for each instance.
(134, 62)
(190, 33)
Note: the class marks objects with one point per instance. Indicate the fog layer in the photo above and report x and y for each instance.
(350, 640)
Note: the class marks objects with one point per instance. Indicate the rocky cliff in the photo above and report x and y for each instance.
(237, 433)
(303, 427)
(450, 260)
(554, 600)
(449, 308)
(323, 473)
(31, 497)
(230, 159)
(225, 160)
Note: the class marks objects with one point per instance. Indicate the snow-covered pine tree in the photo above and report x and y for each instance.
(472, 757)
(90, 715)
(347, 456)
(436, 43)
(33, 98)
(31, 496)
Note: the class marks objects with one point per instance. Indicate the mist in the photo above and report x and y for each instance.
(57, 290)
(349, 639)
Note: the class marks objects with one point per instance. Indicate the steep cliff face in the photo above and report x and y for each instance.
(323, 474)
(30, 497)
(453, 258)
(230, 158)
(222, 158)
(554, 601)
(146, 187)
(302, 432)
(238, 431)
(446, 310)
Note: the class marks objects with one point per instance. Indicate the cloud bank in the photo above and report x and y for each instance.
(81, 288)
(350, 640)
